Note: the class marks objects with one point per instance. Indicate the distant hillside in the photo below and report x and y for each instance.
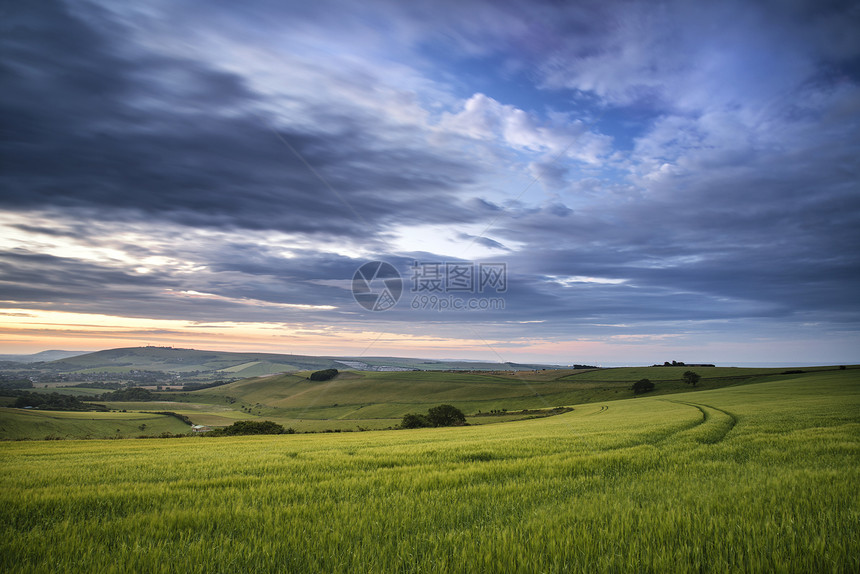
(240, 365)
(188, 360)
(375, 400)
(41, 356)
(408, 364)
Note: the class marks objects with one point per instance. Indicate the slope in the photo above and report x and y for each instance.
(380, 399)
(753, 478)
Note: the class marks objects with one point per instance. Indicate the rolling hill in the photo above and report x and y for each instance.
(357, 400)
(269, 386)
(169, 359)
(747, 478)
(41, 356)
(33, 424)
(380, 399)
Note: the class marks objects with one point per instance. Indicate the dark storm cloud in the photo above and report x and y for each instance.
(734, 196)
(38, 279)
(700, 259)
(90, 122)
(66, 284)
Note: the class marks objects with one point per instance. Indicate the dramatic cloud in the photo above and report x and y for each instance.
(652, 176)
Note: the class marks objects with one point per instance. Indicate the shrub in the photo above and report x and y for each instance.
(642, 386)
(201, 386)
(414, 421)
(441, 416)
(249, 427)
(323, 375)
(183, 418)
(446, 416)
(691, 378)
(130, 394)
(53, 402)
(15, 383)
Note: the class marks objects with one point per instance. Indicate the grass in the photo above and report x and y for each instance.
(378, 400)
(36, 424)
(369, 397)
(69, 390)
(676, 373)
(753, 478)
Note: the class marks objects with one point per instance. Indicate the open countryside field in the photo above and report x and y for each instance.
(34, 424)
(376, 400)
(752, 478)
(220, 363)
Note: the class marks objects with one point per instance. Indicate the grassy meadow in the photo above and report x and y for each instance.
(745, 478)
(378, 400)
(36, 424)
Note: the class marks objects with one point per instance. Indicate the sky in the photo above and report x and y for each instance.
(559, 182)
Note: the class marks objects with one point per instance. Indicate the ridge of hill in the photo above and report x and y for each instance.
(239, 364)
(41, 356)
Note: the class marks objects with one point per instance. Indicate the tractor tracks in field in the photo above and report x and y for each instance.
(600, 411)
(710, 428)
(714, 426)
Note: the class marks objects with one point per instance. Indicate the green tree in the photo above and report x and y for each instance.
(691, 378)
(130, 394)
(323, 375)
(250, 427)
(642, 386)
(414, 421)
(446, 416)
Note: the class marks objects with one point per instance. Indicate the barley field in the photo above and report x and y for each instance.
(755, 478)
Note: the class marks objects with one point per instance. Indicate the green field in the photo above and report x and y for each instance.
(751, 478)
(36, 424)
(80, 392)
(376, 400)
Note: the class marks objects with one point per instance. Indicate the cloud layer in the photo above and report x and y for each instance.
(646, 171)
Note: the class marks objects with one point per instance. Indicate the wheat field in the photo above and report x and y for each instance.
(755, 478)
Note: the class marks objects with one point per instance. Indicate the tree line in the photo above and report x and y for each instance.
(441, 416)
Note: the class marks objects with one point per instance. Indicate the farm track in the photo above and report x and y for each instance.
(713, 426)
(722, 423)
(658, 437)
(728, 426)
